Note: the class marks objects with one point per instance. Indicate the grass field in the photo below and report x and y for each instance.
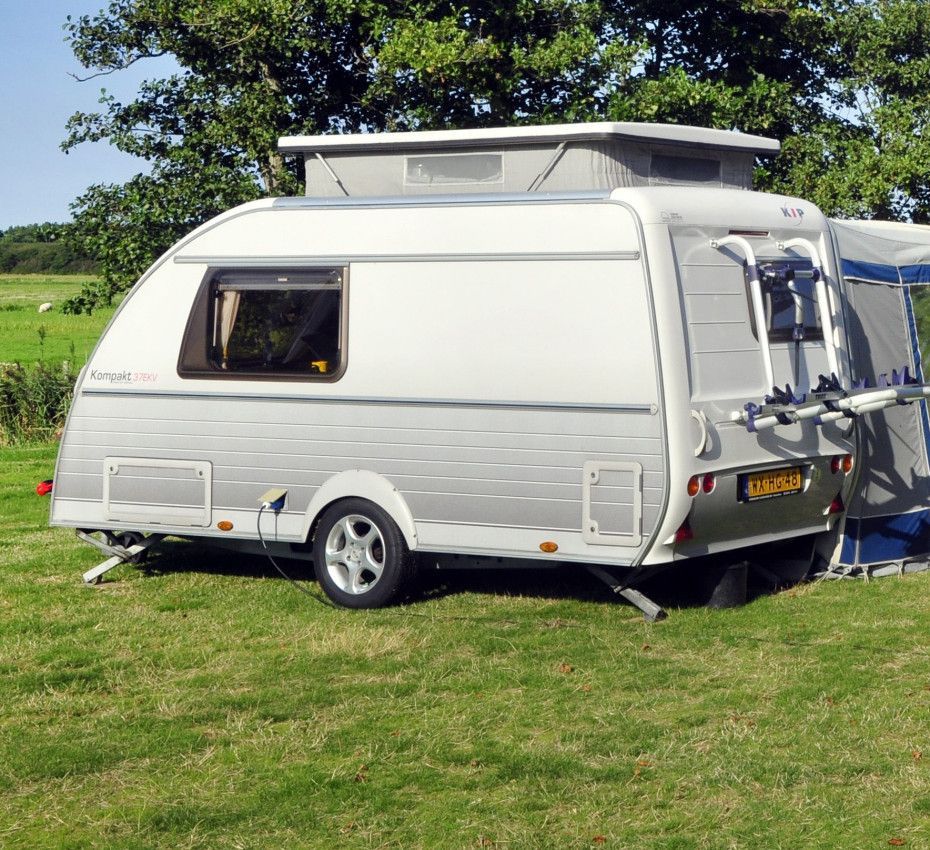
(20, 323)
(198, 701)
(202, 702)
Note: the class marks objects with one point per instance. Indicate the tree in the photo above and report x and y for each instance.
(46, 232)
(870, 155)
(258, 69)
(41, 248)
(254, 70)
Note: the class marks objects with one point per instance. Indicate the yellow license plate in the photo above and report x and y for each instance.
(767, 485)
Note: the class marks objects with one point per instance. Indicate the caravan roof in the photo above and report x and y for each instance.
(549, 158)
(626, 131)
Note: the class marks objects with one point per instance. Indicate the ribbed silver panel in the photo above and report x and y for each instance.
(725, 358)
(484, 465)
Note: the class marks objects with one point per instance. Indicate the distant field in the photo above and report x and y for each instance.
(21, 324)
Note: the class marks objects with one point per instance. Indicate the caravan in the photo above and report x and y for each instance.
(588, 344)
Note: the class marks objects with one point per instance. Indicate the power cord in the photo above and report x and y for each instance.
(397, 613)
(274, 563)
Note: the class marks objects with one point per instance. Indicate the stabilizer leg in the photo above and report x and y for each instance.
(651, 612)
(118, 553)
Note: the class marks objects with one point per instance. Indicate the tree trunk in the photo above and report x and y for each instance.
(273, 167)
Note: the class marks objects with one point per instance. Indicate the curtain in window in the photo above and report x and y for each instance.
(228, 307)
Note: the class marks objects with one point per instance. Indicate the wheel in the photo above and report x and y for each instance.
(131, 538)
(360, 556)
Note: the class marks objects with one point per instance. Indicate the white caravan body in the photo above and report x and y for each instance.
(531, 376)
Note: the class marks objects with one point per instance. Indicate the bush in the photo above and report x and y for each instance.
(33, 401)
(43, 249)
(43, 258)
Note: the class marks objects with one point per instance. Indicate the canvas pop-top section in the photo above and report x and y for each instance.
(558, 157)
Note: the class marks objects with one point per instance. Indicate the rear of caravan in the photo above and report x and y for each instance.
(585, 377)
(744, 469)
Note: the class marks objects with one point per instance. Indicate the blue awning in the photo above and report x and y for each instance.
(871, 272)
(887, 274)
(885, 539)
(915, 274)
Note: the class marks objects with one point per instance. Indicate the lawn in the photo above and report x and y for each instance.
(198, 701)
(54, 336)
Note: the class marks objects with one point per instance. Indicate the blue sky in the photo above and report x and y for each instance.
(37, 96)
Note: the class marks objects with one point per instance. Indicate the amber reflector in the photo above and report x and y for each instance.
(694, 485)
(224, 525)
(549, 547)
(847, 463)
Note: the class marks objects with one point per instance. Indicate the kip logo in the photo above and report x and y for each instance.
(792, 212)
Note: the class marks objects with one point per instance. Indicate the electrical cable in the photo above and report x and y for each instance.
(274, 563)
(327, 604)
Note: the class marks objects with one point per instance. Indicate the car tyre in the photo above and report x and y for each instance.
(360, 556)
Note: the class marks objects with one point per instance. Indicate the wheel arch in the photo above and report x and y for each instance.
(362, 484)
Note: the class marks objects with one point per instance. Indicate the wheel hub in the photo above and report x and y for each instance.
(354, 554)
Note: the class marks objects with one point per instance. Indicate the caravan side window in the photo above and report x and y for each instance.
(790, 299)
(267, 323)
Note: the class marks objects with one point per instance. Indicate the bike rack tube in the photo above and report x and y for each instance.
(823, 298)
(758, 307)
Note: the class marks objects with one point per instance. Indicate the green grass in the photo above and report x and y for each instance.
(20, 321)
(202, 702)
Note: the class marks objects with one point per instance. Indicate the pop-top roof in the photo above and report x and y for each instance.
(548, 158)
(667, 134)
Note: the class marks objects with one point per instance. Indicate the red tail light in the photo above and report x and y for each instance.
(841, 462)
(836, 506)
(684, 532)
(708, 482)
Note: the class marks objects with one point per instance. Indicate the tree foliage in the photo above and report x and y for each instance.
(869, 155)
(38, 248)
(47, 231)
(841, 82)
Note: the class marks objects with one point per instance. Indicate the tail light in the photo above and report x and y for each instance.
(684, 532)
(836, 506)
(702, 484)
(842, 463)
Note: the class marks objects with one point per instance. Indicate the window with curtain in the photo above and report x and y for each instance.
(268, 323)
